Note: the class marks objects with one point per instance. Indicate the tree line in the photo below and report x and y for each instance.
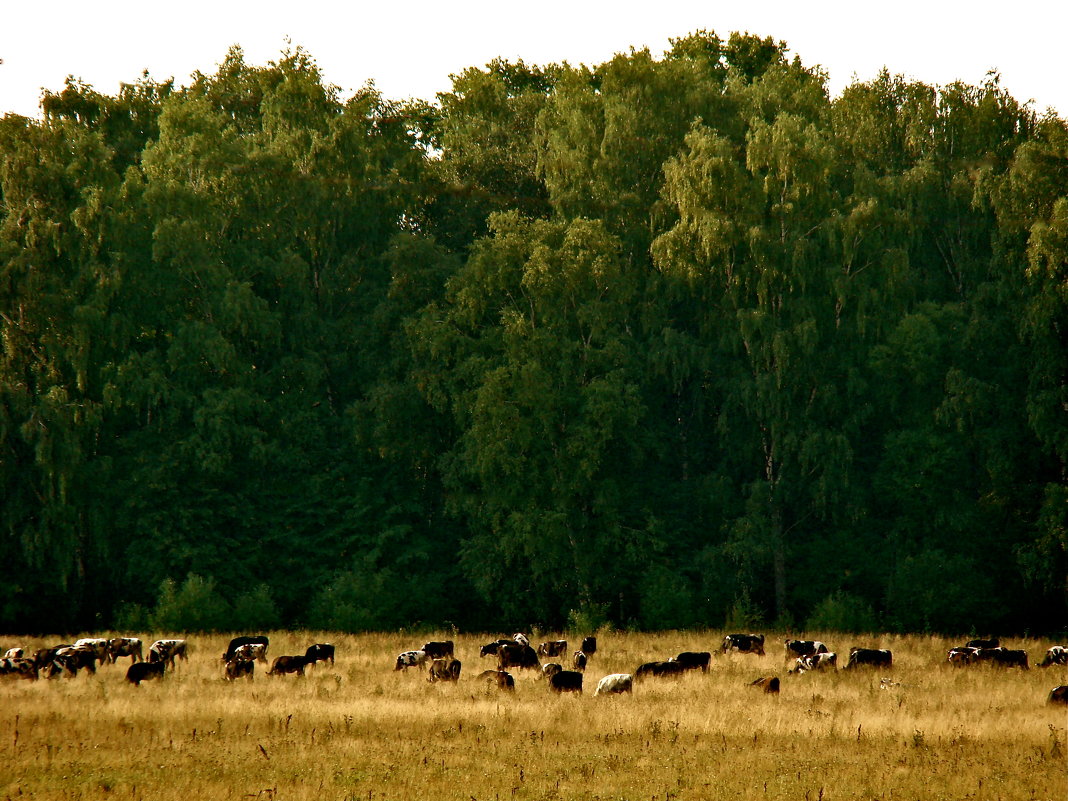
(669, 341)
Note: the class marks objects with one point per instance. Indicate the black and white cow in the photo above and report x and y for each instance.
(521, 638)
(824, 661)
(439, 650)
(444, 670)
(70, 659)
(246, 639)
(553, 648)
(1057, 655)
(578, 661)
(320, 652)
(144, 671)
(961, 656)
(550, 669)
(14, 653)
(615, 684)
(239, 667)
(1058, 695)
(255, 651)
(870, 657)
(744, 643)
(98, 645)
(799, 648)
(694, 660)
(411, 659)
(18, 667)
(119, 647)
(167, 651)
(566, 681)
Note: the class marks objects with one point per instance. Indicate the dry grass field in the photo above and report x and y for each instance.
(360, 730)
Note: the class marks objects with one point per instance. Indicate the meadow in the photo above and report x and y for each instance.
(360, 730)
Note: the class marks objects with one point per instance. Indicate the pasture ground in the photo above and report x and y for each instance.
(360, 730)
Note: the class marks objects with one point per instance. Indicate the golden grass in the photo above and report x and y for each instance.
(359, 730)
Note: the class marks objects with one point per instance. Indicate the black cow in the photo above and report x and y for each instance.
(252, 639)
(566, 681)
(553, 648)
(439, 650)
(589, 646)
(744, 643)
(694, 660)
(870, 657)
(1058, 695)
(798, 648)
(238, 667)
(659, 669)
(321, 652)
(1002, 657)
(287, 664)
(491, 648)
(992, 642)
(144, 671)
(578, 661)
(517, 655)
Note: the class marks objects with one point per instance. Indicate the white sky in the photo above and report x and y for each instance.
(409, 49)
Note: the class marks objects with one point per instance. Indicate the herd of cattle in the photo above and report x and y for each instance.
(439, 660)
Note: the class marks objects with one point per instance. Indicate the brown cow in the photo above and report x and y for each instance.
(287, 664)
(769, 684)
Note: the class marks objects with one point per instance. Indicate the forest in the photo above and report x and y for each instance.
(671, 341)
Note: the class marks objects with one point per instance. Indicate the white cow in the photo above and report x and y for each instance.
(614, 684)
(411, 659)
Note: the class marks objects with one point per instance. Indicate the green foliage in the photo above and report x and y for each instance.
(842, 611)
(196, 605)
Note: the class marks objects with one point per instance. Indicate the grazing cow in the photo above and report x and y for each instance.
(238, 667)
(872, 657)
(167, 651)
(411, 659)
(769, 684)
(1003, 657)
(961, 656)
(18, 667)
(253, 650)
(522, 639)
(498, 678)
(287, 664)
(1057, 655)
(589, 646)
(578, 661)
(824, 661)
(550, 669)
(694, 660)
(992, 642)
(444, 670)
(491, 648)
(71, 659)
(659, 669)
(615, 684)
(438, 650)
(98, 645)
(45, 657)
(124, 646)
(799, 648)
(14, 653)
(247, 639)
(553, 648)
(322, 652)
(744, 643)
(566, 681)
(143, 671)
(1058, 695)
(517, 655)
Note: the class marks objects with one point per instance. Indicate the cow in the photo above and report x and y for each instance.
(323, 652)
(769, 684)
(520, 638)
(44, 657)
(694, 660)
(859, 657)
(553, 648)
(239, 667)
(1057, 655)
(498, 678)
(615, 684)
(411, 659)
(125, 646)
(144, 671)
(287, 664)
(167, 651)
(578, 661)
(14, 653)
(659, 669)
(98, 645)
(1003, 657)
(824, 661)
(961, 656)
(992, 642)
(71, 659)
(439, 650)
(589, 646)
(550, 669)
(744, 643)
(253, 650)
(246, 639)
(517, 655)
(18, 667)
(566, 681)
(799, 648)
(491, 648)
(1058, 695)
(444, 670)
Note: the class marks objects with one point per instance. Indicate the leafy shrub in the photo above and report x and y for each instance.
(195, 606)
(842, 611)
